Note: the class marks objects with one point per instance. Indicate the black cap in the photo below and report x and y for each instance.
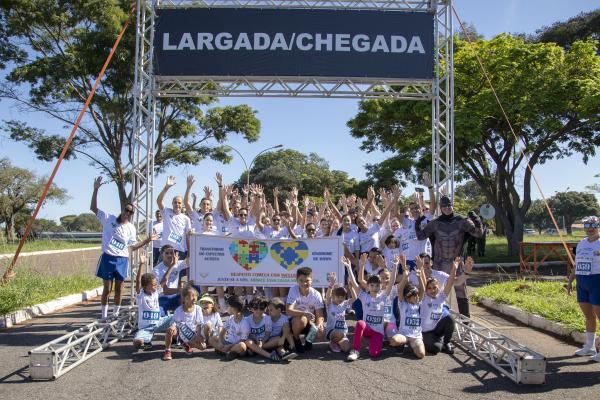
(445, 201)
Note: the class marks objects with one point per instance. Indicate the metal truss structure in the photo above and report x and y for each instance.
(513, 360)
(59, 356)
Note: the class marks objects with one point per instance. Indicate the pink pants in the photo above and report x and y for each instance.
(375, 338)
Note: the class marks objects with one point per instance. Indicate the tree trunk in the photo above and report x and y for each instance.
(10, 229)
(515, 236)
(499, 231)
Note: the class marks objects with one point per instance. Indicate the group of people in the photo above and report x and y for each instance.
(401, 263)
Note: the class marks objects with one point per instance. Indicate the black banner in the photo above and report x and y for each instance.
(276, 42)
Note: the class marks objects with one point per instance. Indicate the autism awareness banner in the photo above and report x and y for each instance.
(228, 261)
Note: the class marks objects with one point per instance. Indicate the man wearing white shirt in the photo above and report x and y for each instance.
(176, 225)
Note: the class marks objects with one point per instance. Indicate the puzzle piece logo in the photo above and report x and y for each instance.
(248, 254)
(289, 254)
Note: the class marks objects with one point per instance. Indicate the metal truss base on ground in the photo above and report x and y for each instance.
(59, 356)
(513, 360)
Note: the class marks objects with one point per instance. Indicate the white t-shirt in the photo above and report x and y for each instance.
(256, 330)
(336, 316)
(373, 310)
(157, 228)
(116, 238)
(175, 229)
(351, 241)
(311, 302)
(173, 280)
(270, 233)
(215, 322)
(277, 326)
(431, 311)
(197, 221)
(388, 311)
(371, 269)
(587, 257)
(188, 322)
(233, 330)
(410, 320)
(389, 254)
(410, 245)
(238, 230)
(441, 277)
(221, 224)
(148, 309)
(369, 239)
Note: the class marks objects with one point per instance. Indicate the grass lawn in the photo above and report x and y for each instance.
(496, 248)
(546, 299)
(29, 288)
(46, 244)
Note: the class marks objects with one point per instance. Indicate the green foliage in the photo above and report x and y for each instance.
(551, 96)
(288, 168)
(29, 288)
(583, 26)
(46, 244)
(468, 197)
(572, 206)
(86, 222)
(546, 299)
(65, 43)
(537, 216)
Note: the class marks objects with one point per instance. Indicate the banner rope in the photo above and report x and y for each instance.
(517, 139)
(9, 273)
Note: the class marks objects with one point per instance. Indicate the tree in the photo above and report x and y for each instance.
(594, 187)
(583, 26)
(57, 49)
(20, 190)
(86, 222)
(288, 168)
(572, 206)
(552, 97)
(468, 197)
(538, 216)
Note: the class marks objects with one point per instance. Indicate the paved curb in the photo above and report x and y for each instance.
(16, 317)
(45, 252)
(534, 320)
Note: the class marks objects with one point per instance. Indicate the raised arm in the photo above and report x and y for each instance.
(421, 275)
(452, 277)
(189, 208)
(225, 196)
(351, 280)
(394, 274)
(432, 199)
(467, 267)
(161, 196)
(362, 262)
(390, 205)
(94, 203)
(276, 199)
(402, 282)
(138, 277)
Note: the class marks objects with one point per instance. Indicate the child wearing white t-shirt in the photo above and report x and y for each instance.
(337, 305)
(281, 334)
(231, 341)
(409, 302)
(187, 324)
(212, 321)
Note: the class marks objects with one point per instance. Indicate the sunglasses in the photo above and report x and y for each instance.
(129, 210)
(591, 225)
(311, 230)
(242, 215)
(276, 220)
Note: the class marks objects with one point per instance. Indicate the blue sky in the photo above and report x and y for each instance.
(312, 125)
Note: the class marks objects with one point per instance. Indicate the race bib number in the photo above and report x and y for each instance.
(374, 319)
(387, 311)
(340, 324)
(404, 246)
(435, 316)
(412, 321)
(257, 332)
(412, 236)
(116, 244)
(186, 332)
(151, 315)
(583, 265)
(175, 238)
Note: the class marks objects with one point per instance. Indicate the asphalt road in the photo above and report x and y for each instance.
(118, 372)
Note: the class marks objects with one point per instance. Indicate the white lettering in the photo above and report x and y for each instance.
(261, 41)
(342, 42)
(395, 40)
(243, 41)
(380, 44)
(320, 41)
(223, 41)
(205, 39)
(186, 42)
(416, 45)
(166, 44)
(300, 42)
(360, 43)
(279, 42)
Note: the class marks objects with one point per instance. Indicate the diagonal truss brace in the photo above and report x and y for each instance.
(513, 360)
(60, 355)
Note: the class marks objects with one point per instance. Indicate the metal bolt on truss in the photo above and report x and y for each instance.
(59, 356)
(513, 360)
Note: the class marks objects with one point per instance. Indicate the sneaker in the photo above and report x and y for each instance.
(352, 356)
(289, 356)
(448, 348)
(586, 351)
(275, 357)
(231, 355)
(167, 356)
(334, 347)
(312, 334)
(596, 357)
(138, 344)
(187, 348)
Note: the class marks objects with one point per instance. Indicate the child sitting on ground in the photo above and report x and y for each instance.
(281, 334)
(230, 339)
(187, 324)
(212, 321)
(337, 305)
(256, 329)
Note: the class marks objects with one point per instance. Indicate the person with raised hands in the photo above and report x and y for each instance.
(371, 326)
(119, 237)
(176, 225)
(409, 303)
(436, 322)
(197, 217)
(337, 304)
(368, 235)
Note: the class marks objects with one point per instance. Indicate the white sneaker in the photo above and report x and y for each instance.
(352, 356)
(586, 351)
(596, 357)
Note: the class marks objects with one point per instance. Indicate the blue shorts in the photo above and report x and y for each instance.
(588, 289)
(146, 333)
(112, 267)
(170, 302)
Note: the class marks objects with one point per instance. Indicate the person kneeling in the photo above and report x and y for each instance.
(409, 303)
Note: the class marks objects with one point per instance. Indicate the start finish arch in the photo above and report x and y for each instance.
(411, 40)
